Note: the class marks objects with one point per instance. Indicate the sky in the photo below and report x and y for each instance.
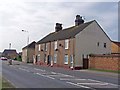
(38, 17)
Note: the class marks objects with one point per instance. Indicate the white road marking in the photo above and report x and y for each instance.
(24, 69)
(45, 76)
(77, 85)
(93, 83)
(39, 69)
(65, 75)
(53, 72)
(103, 82)
(71, 79)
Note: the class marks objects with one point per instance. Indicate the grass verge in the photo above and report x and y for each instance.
(5, 84)
(101, 70)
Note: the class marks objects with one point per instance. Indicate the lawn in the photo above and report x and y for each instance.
(4, 83)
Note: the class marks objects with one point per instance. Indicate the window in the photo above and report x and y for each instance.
(104, 45)
(66, 59)
(66, 44)
(38, 58)
(55, 45)
(71, 58)
(39, 47)
(45, 46)
(55, 58)
(98, 44)
(45, 58)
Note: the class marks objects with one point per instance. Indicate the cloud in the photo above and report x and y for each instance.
(39, 18)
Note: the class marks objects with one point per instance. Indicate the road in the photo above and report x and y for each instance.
(23, 75)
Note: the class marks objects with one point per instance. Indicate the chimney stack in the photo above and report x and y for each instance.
(58, 27)
(78, 20)
(9, 45)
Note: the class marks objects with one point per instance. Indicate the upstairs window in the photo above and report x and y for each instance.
(104, 45)
(55, 45)
(98, 44)
(66, 44)
(39, 47)
(45, 47)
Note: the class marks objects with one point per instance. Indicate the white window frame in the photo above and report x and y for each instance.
(55, 45)
(66, 58)
(45, 46)
(67, 44)
(39, 47)
(55, 58)
(38, 58)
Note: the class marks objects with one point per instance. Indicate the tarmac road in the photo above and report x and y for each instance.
(23, 75)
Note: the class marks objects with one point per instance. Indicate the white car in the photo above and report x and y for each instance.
(3, 58)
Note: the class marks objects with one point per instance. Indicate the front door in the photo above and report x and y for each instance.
(85, 63)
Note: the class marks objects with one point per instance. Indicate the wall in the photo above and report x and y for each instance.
(115, 48)
(24, 55)
(60, 53)
(86, 43)
(105, 62)
(30, 53)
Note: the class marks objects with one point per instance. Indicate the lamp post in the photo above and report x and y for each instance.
(27, 43)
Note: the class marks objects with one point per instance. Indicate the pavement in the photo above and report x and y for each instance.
(23, 75)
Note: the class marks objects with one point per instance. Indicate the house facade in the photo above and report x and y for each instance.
(68, 47)
(28, 53)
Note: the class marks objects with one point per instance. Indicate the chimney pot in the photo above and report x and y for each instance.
(78, 20)
(58, 27)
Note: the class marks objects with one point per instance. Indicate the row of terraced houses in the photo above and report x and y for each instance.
(69, 47)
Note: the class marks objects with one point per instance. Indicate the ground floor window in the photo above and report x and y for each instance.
(55, 58)
(66, 59)
(38, 57)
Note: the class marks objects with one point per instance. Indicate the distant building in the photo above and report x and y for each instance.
(28, 53)
(115, 47)
(68, 47)
(10, 53)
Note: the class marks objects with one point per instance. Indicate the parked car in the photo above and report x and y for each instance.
(3, 58)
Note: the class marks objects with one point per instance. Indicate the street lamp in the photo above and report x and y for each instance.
(27, 43)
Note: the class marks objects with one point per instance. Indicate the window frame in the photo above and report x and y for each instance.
(55, 45)
(67, 44)
(66, 58)
(39, 47)
(45, 47)
(55, 58)
(105, 45)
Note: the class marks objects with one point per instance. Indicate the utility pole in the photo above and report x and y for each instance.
(27, 45)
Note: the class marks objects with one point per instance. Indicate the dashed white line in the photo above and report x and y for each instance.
(71, 79)
(39, 69)
(45, 76)
(24, 69)
(77, 85)
(103, 82)
(93, 83)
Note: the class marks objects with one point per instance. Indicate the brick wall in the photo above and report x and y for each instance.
(105, 62)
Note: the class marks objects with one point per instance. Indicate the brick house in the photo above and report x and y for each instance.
(115, 47)
(28, 52)
(68, 47)
(10, 53)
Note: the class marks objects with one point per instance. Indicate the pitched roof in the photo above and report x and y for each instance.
(31, 45)
(6, 51)
(65, 33)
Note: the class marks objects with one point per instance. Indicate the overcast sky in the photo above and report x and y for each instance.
(39, 18)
